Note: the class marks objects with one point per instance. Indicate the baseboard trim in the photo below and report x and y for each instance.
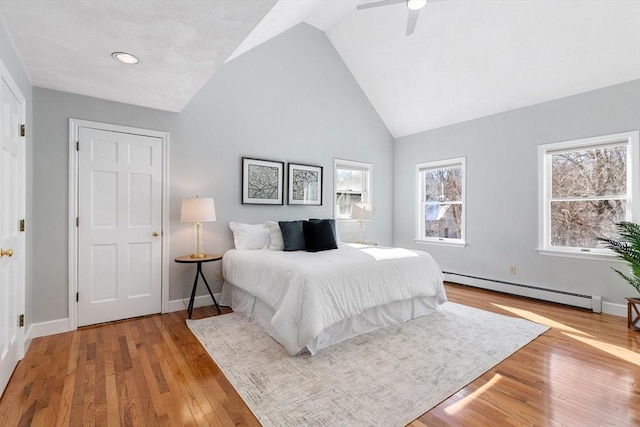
(51, 327)
(27, 340)
(560, 297)
(200, 301)
(615, 309)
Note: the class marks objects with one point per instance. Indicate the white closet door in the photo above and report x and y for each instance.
(12, 178)
(120, 217)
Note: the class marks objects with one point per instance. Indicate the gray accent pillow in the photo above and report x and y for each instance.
(292, 235)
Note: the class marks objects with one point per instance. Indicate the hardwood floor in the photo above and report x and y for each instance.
(152, 371)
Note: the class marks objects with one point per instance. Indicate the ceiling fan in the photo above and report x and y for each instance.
(413, 5)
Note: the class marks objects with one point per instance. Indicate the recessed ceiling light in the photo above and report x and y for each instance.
(416, 4)
(125, 57)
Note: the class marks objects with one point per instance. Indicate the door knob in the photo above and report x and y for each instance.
(155, 234)
(8, 252)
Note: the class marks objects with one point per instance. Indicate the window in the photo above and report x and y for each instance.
(352, 185)
(441, 201)
(587, 186)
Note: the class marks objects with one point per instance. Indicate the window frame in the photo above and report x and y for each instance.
(367, 194)
(545, 151)
(420, 203)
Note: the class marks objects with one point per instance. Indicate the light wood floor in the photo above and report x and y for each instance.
(585, 371)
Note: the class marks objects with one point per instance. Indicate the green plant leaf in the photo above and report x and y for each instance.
(627, 248)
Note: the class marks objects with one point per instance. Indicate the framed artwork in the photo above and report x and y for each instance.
(304, 184)
(262, 182)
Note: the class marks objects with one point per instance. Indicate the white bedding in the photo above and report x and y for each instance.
(310, 292)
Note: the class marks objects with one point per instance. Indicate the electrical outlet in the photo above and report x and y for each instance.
(512, 269)
(218, 275)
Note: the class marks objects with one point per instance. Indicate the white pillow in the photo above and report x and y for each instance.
(249, 236)
(275, 234)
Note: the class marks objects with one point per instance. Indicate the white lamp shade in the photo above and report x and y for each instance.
(362, 211)
(198, 210)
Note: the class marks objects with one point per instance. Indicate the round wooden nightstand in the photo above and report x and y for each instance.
(187, 259)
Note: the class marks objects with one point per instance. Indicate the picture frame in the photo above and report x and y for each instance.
(262, 182)
(304, 184)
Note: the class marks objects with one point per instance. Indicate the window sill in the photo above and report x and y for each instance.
(457, 244)
(596, 256)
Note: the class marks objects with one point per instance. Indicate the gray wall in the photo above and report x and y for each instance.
(291, 99)
(502, 188)
(14, 66)
(52, 110)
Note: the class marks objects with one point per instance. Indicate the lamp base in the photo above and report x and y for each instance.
(361, 241)
(198, 255)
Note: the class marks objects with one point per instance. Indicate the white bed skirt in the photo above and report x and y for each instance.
(374, 318)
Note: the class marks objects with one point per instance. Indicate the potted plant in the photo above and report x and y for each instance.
(628, 248)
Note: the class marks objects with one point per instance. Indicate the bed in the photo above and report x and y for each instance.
(309, 301)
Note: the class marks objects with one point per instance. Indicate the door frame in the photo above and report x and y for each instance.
(23, 337)
(74, 132)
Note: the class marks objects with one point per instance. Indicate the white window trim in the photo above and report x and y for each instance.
(441, 241)
(544, 191)
(368, 195)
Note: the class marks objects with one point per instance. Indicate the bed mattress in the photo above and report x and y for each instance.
(308, 301)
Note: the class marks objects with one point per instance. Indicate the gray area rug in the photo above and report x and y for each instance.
(388, 377)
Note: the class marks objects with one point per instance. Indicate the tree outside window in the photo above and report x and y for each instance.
(588, 195)
(587, 187)
(441, 201)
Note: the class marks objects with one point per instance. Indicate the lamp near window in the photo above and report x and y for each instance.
(362, 212)
(198, 211)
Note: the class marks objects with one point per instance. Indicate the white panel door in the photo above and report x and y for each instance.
(11, 239)
(120, 217)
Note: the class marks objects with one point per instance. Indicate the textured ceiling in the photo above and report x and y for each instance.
(466, 59)
(67, 45)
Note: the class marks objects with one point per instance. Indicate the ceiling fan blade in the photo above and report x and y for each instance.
(379, 3)
(412, 20)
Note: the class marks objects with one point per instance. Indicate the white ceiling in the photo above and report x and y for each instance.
(67, 44)
(466, 59)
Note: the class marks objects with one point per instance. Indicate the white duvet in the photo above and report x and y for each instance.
(309, 292)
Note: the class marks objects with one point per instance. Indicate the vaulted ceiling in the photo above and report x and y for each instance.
(466, 58)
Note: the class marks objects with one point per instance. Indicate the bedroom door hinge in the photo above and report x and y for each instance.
(77, 145)
(23, 130)
(77, 221)
(22, 225)
(77, 296)
(21, 320)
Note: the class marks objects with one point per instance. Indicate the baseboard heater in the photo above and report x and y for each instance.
(591, 302)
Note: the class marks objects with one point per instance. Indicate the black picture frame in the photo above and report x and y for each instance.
(304, 184)
(262, 182)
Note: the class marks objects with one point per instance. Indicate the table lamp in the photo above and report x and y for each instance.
(362, 212)
(197, 211)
